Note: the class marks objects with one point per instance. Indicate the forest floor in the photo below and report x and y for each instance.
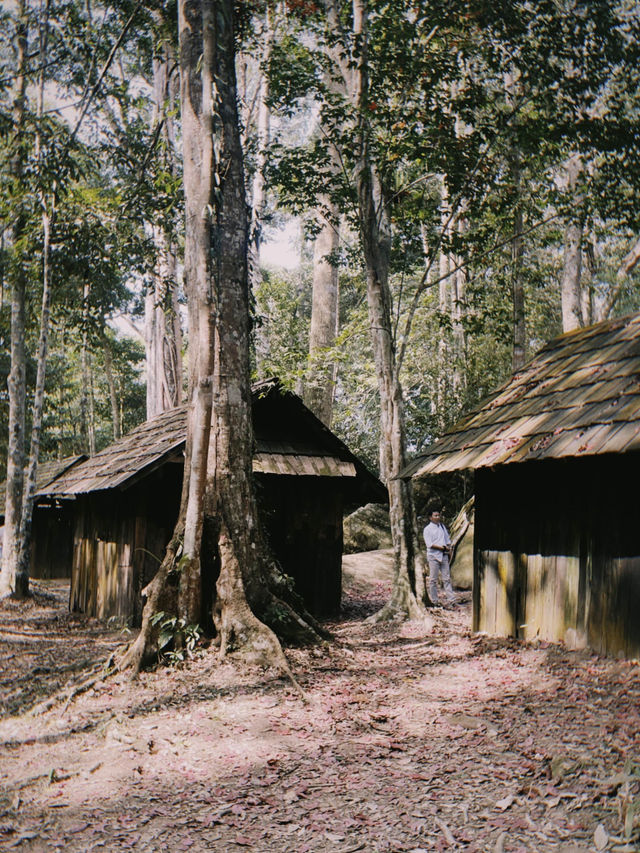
(411, 739)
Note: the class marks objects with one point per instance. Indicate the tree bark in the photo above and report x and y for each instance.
(87, 420)
(444, 307)
(22, 571)
(571, 275)
(10, 583)
(48, 208)
(163, 333)
(258, 197)
(458, 287)
(320, 381)
(571, 292)
(518, 328)
(218, 492)
(408, 592)
(113, 395)
(517, 285)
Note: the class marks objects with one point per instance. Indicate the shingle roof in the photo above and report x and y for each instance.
(141, 449)
(579, 396)
(47, 472)
(289, 440)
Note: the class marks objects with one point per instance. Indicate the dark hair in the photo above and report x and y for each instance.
(434, 508)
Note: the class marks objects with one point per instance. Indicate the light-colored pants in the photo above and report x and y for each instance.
(440, 568)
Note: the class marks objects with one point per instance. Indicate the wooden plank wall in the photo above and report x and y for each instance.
(102, 575)
(303, 523)
(555, 558)
(119, 541)
(52, 542)
(120, 538)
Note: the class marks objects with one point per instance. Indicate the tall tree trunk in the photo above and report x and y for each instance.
(319, 385)
(9, 582)
(571, 292)
(163, 333)
(458, 284)
(258, 197)
(22, 572)
(91, 397)
(113, 395)
(517, 284)
(87, 421)
(518, 330)
(84, 399)
(571, 276)
(458, 287)
(588, 301)
(408, 591)
(48, 207)
(444, 308)
(218, 492)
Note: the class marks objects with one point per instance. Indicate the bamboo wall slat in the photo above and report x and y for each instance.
(568, 564)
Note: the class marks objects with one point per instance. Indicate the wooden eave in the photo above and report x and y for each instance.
(580, 396)
(290, 441)
(47, 472)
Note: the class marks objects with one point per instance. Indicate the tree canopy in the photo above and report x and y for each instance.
(478, 167)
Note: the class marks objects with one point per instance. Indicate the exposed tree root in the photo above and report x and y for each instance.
(244, 635)
(402, 605)
(8, 593)
(142, 649)
(292, 624)
(68, 694)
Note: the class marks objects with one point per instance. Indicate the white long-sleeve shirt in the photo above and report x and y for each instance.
(436, 534)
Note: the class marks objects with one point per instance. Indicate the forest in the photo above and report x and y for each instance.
(390, 207)
(463, 186)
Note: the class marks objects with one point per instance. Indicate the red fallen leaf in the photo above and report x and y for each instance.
(243, 841)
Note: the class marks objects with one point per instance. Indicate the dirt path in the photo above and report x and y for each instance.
(410, 741)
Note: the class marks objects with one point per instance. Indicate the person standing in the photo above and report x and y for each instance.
(438, 542)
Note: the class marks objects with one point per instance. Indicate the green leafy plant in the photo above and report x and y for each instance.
(177, 640)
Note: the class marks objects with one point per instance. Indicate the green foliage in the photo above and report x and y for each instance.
(177, 640)
(281, 327)
(486, 104)
(293, 72)
(471, 107)
(94, 156)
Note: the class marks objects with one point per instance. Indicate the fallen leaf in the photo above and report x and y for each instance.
(600, 837)
(505, 802)
(466, 721)
(25, 836)
(446, 832)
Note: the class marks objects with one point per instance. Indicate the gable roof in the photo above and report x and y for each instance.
(289, 440)
(579, 396)
(46, 474)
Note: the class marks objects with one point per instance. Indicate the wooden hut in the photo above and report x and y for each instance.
(556, 453)
(126, 498)
(52, 524)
